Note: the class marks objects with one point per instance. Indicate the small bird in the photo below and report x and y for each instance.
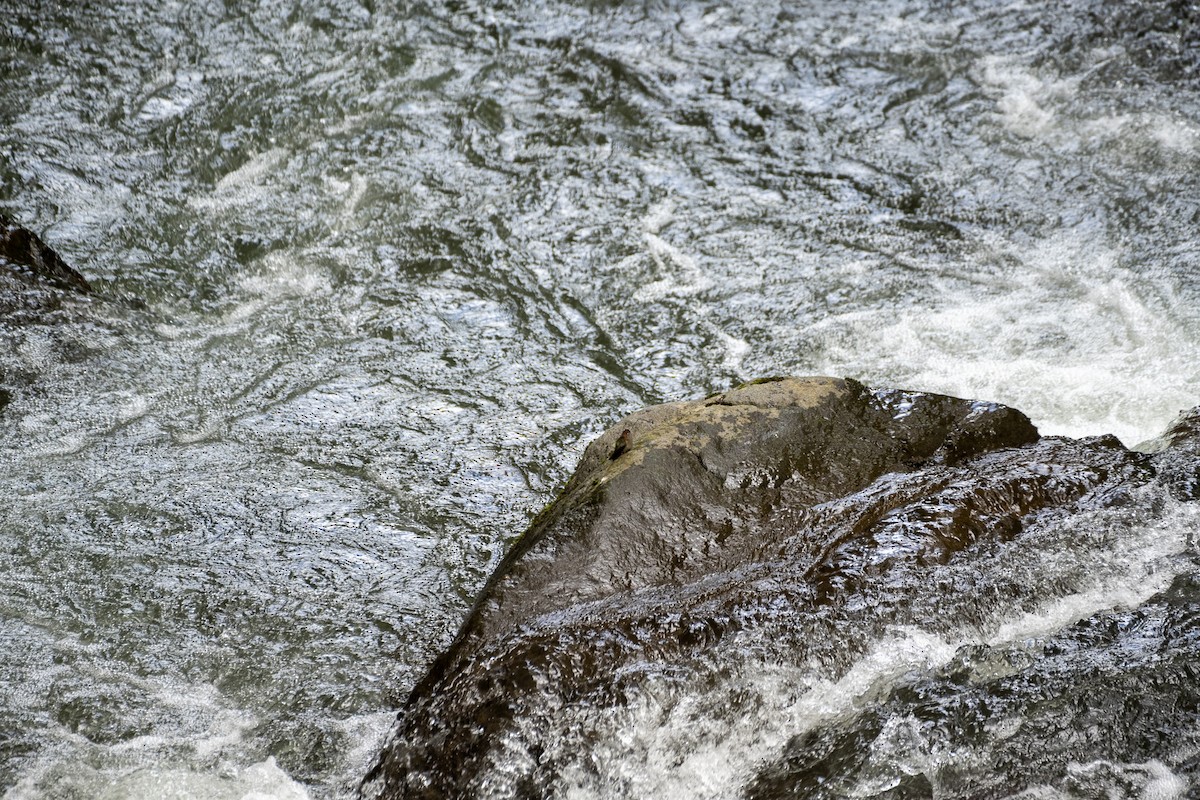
(622, 445)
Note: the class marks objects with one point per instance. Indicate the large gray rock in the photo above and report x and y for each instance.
(749, 513)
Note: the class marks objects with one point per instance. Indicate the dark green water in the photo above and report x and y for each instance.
(402, 261)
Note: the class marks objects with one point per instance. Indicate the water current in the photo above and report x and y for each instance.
(401, 261)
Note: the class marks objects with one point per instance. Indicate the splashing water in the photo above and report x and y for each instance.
(402, 261)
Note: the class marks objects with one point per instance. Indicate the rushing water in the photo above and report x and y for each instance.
(401, 261)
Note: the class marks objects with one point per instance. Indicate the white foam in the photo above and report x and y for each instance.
(177, 94)
(693, 746)
(279, 275)
(735, 351)
(1052, 108)
(1025, 99)
(686, 752)
(193, 744)
(1149, 780)
(1064, 331)
(194, 763)
(261, 781)
(682, 276)
(659, 215)
(243, 186)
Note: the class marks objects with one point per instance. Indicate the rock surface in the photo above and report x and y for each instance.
(697, 532)
(24, 251)
(34, 280)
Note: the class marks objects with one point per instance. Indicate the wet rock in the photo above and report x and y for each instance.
(1178, 450)
(766, 518)
(49, 313)
(24, 253)
(36, 285)
(1183, 434)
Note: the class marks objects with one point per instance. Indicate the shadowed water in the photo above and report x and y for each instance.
(401, 261)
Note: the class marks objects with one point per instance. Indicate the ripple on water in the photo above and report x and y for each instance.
(402, 263)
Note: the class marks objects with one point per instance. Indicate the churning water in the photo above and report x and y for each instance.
(402, 260)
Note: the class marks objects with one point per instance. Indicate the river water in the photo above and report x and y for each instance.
(402, 261)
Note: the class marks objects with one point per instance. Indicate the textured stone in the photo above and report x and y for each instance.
(691, 522)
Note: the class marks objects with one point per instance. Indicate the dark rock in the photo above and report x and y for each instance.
(49, 314)
(1178, 455)
(692, 524)
(24, 252)
(36, 285)
(1181, 435)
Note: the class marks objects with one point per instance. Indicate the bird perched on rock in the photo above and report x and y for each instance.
(622, 445)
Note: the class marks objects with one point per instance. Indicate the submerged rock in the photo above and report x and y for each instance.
(24, 252)
(49, 313)
(785, 524)
(35, 283)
